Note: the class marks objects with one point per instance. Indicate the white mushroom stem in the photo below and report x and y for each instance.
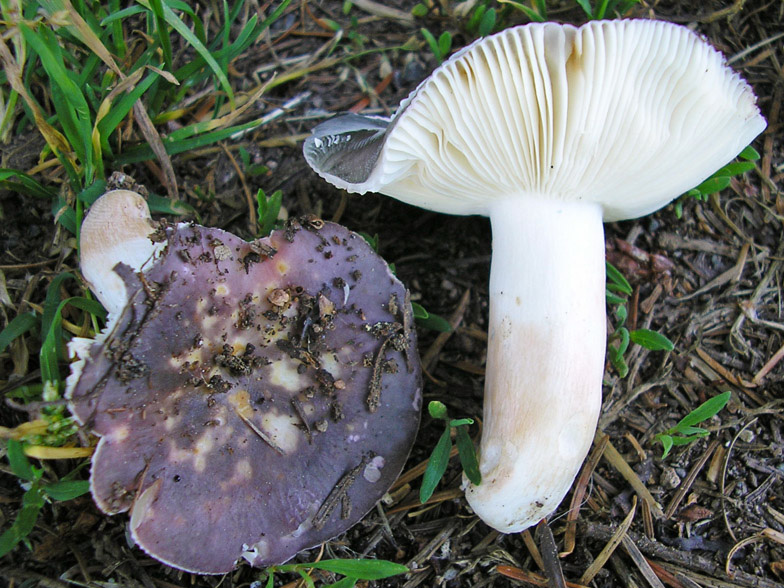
(627, 114)
(545, 357)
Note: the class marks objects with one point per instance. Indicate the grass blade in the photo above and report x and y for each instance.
(174, 21)
(465, 449)
(436, 466)
(156, 7)
(17, 459)
(69, 102)
(67, 489)
(651, 340)
(361, 569)
(16, 328)
(704, 411)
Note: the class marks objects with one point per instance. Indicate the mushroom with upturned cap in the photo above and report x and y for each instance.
(549, 130)
(251, 399)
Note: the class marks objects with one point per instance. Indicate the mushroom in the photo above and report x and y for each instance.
(131, 246)
(251, 399)
(549, 130)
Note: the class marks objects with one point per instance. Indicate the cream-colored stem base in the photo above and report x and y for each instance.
(545, 362)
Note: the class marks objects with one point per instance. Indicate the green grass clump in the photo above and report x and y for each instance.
(618, 288)
(720, 179)
(439, 458)
(78, 74)
(97, 81)
(353, 571)
(37, 492)
(685, 431)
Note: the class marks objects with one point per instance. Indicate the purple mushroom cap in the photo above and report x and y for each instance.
(252, 399)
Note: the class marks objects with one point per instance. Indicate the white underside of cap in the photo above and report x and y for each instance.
(629, 114)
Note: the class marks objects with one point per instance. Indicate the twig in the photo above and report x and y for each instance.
(731, 275)
(428, 550)
(686, 484)
(688, 560)
(17, 266)
(703, 581)
(455, 319)
(373, 399)
(338, 494)
(549, 550)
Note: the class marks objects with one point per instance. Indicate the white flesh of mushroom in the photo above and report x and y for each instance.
(102, 247)
(549, 130)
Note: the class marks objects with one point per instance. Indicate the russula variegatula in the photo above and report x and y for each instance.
(251, 399)
(548, 130)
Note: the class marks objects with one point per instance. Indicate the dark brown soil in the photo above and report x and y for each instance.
(710, 281)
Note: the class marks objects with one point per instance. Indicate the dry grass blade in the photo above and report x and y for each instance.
(82, 30)
(529, 577)
(767, 533)
(56, 140)
(723, 480)
(436, 498)
(642, 564)
(156, 144)
(383, 11)
(44, 452)
(769, 365)
(533, 549)
(619, 463)
(579, 493)
(610, 547)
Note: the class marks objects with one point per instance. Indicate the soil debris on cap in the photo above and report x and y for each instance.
(232, 407)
